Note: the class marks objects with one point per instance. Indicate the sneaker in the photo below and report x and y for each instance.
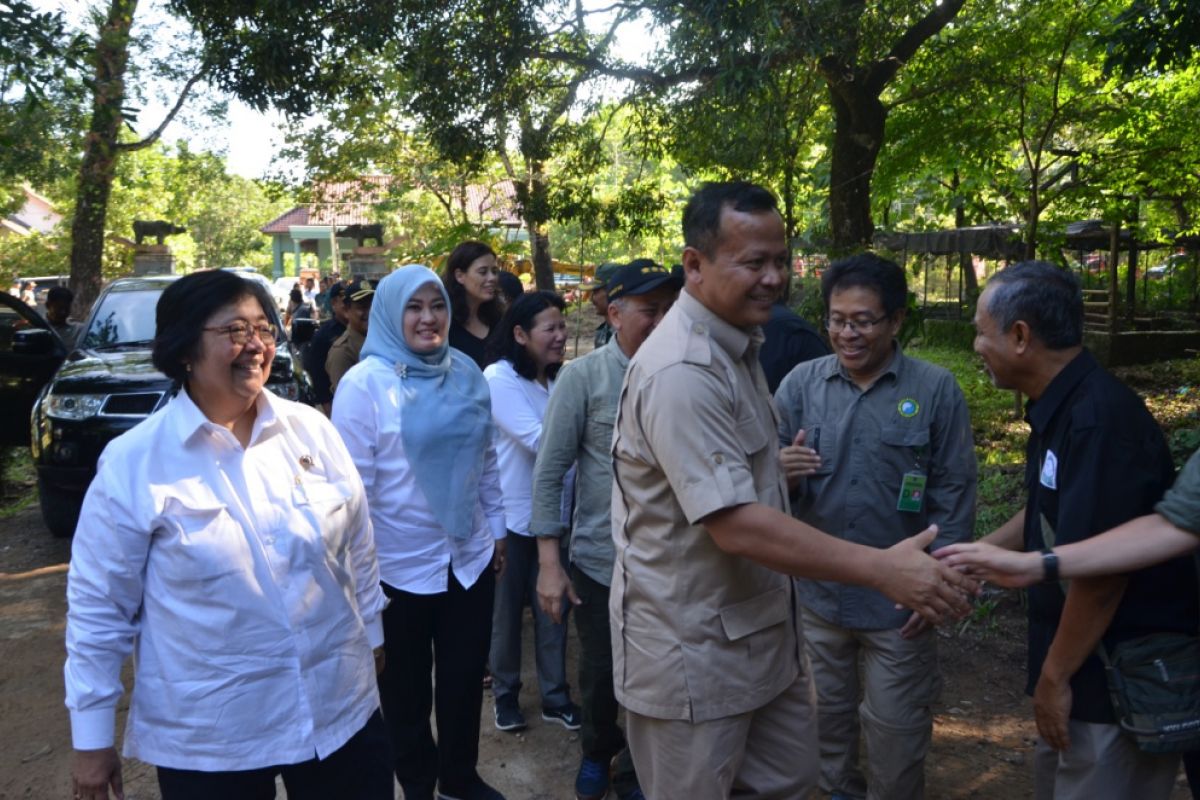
(636, 794)
(474, 791)
(508, 714)
(591, 782)
(567, 716)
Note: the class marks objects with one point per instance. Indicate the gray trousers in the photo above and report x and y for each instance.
(1101, 764)
(517, 588)
(890, 700)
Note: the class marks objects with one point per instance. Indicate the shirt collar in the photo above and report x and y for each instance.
(614, 351)
(733, 340)
(1039, 412)
(189, 420)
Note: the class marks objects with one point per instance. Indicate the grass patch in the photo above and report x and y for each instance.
(18, 481)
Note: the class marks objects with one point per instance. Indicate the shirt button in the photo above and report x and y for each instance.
(856, 440)
(854, 481)
(851, 525)
(718, 458)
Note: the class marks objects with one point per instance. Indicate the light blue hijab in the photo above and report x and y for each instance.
(445, 406)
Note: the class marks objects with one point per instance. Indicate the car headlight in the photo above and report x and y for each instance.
(72, 406)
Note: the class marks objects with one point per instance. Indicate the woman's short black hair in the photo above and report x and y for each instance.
(503, 344)
(186, 305)
(460, 260)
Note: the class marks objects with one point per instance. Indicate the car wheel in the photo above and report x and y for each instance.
(60, 509)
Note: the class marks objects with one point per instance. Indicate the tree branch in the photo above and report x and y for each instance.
(154, 136)
(882, 71)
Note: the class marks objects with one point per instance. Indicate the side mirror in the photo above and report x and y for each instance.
(303, 330)
(33, 342)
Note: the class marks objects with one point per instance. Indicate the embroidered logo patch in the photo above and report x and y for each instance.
(908, 407)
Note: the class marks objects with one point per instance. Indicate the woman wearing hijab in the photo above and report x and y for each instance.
(416, 417)
(225, 541)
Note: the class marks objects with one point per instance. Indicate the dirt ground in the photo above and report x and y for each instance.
(982, 741)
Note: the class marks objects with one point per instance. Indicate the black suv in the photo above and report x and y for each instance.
(101, 389)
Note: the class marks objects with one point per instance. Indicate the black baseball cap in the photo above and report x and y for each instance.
(360, 290)
(640, 276)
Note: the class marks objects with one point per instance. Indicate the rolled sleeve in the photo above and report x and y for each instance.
(700, 451)
(1181, 504)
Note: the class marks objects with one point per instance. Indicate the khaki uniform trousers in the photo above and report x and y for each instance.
(892, 703)
(1101, 764)
(767, 754)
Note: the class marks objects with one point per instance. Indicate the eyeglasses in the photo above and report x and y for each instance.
(863, 326)
(240, 332)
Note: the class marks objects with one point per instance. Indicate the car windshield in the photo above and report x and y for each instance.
(126, 319)
(123, 319)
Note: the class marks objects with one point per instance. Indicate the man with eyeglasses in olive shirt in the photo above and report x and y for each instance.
(877, 447)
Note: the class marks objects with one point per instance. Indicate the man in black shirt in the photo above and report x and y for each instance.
(788, 341)
(322, 340)
(1095, 458)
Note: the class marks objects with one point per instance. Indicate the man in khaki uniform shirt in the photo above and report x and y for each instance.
(707, 648)
(343, 353)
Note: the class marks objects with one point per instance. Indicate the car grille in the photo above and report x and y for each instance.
(131, 405)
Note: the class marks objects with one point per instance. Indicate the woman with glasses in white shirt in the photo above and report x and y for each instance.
(415, 416)
(226, 541)
(530, 342)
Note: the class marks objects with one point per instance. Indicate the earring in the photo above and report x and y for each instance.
(188, 367)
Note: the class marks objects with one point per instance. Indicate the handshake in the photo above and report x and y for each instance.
(932, 587)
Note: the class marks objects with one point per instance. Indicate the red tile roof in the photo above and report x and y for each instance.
(352, 202)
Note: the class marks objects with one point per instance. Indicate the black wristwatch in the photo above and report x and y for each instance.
(1049, 566)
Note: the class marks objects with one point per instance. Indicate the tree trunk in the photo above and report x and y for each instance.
(1032, 215)
(543, 267)
(857, 137)
(96, 170)
(966, 260)
(535, 208)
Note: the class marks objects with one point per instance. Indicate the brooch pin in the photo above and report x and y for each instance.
(306, 461)
(402, 371)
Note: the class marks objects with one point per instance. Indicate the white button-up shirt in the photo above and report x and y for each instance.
(414, 549)
(245, 579)
(518, 407)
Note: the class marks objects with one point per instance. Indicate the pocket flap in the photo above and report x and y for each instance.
(753, 434)
(756, 614)
(903, 436)
(325, 495)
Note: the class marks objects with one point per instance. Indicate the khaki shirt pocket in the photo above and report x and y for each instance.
(753, 434)
(758, 613)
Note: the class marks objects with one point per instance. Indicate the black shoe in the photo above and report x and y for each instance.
(478, 790)
(566, 715)
(508, 714)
